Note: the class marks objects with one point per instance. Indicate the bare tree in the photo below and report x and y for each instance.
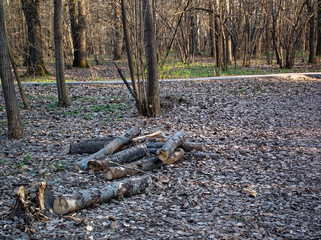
(63, 100)
(15, 128)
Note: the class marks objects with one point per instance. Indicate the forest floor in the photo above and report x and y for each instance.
(267, 132)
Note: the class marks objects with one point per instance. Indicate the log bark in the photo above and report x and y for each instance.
(88, 146)
(175, 157)
(169, 147)
(87, 198)
(109, 148)
(200, 155)
(131, 168)
(190, 146)
(187, 146)
(125, 156)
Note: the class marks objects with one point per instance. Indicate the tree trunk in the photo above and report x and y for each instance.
(129, 53)
(16, 73)
(318, 50)
(132, 168)
(118, 38)
(125, 156)
(169, 147)
(152, 101)
(87, 198)
(77, 12)
(212, 31)
(15, 128)
(63, 100)
(109, 148)
(35, 60)
(311, 12)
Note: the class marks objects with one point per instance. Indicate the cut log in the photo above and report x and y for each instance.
(87, 198)
(169, 147)
(190, 146)
(157, 136)
(125, 156)
(200, 155)
(88, 146)
(187, 146)
(132, 168)
(175, 157)
(110, 148)
(154, 144)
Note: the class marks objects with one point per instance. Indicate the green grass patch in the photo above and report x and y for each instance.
(181, 70)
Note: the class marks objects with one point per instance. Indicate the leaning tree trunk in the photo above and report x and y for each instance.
(152, 101)
(35, 60)
(16, 73)
(15, 128)
(77, 12)
(63, 100)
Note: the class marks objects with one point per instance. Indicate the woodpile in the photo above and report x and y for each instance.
(116, 157)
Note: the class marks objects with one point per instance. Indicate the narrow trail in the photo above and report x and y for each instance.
(283, 75)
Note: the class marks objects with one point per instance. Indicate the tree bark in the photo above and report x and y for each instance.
(169, 147)
(63, 100)
(35, 60)
(77, 12)
(125, 156)
(132, 168)
(15, 128)
(16, 73)
(118, 38)
(187, 146)
(129, 52)
(109, 148)
(318, 50)
(152, 101)
(88, 146)
(311, 11)
(200, 155)
(87, 198)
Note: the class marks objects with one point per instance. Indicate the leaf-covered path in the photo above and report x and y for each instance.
(267, 131)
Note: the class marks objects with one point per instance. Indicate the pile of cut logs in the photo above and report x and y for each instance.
(141, 153)
(116, 157)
